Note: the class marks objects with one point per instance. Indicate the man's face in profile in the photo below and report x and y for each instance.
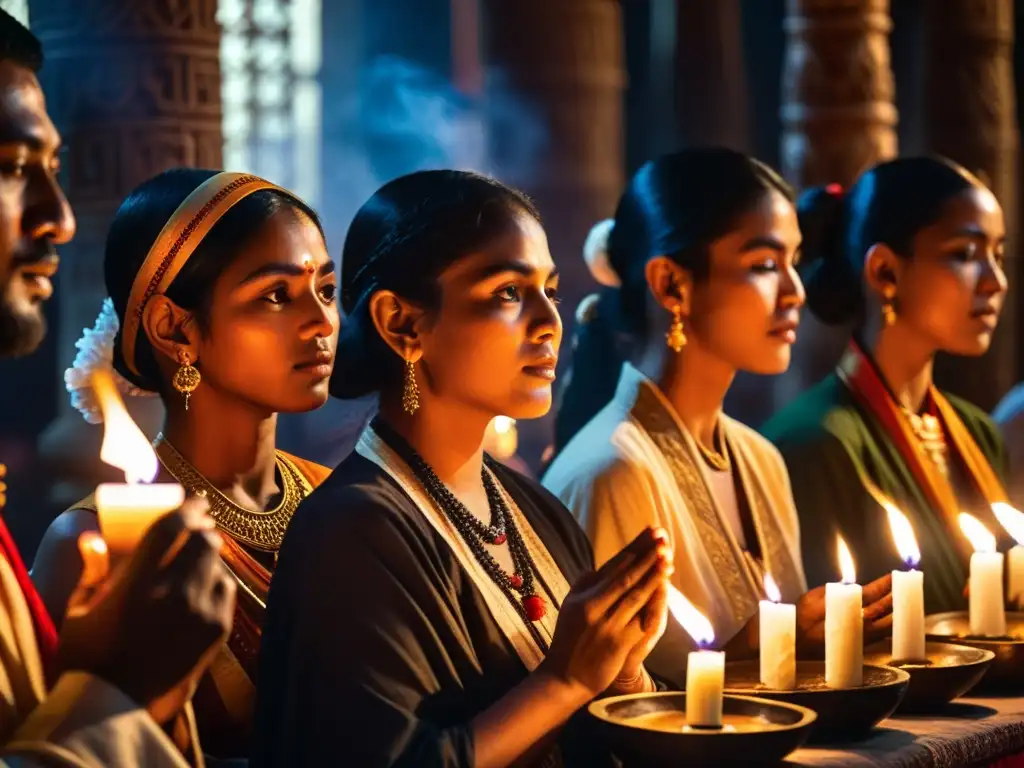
(34, 214)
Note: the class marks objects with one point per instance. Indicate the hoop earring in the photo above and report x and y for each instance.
(187, 377)
(411, 391)
(676, 337)
(888, 308)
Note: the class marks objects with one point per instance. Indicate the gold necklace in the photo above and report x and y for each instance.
(930, 438)
(261, 530)
(718, 460)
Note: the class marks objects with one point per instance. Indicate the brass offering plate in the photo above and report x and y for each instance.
(646, 729)
(844, 714)
(948, 672)
(1006, 671)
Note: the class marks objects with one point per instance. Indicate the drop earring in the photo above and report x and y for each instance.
(676, 336)
(187, 377)
(411, 391)
(888, 308)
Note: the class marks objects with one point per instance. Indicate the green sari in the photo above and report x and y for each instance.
(846, 440)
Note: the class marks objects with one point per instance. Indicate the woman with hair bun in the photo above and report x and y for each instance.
(912, 256)
(431, 606)
(222, 303)
(704, 243)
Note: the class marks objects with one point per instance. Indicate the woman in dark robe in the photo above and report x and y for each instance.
(421, 613)
(913, 254)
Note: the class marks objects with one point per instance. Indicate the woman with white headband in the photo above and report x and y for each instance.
(222, 303)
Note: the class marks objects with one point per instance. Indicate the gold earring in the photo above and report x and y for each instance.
(411, 391)
(888, 310)
(676, 338)
(187, 377)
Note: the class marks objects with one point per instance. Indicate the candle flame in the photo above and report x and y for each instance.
(903, 536)
(771, 589)
(692, 620)
(849, 573)
(124, 445)
(1011, 519)
(980, 537)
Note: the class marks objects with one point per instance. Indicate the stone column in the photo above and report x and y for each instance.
(971, 117)
(134, 88)
(564, 59)
(711, 88)
(838, 119)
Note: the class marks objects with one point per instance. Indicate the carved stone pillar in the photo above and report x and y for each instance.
(971, 117)
(564, 58)
(711, 89)
(838, 119)
(134, 88)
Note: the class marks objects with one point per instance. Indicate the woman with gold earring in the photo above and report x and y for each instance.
(222, 304)
(912, 255)
(703, 245)
(432, 606)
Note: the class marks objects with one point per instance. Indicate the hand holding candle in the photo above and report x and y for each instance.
(126, 510)
(844, 626)
(1012, 521)
(777, 625)
(907, 592)
(705, 669)
(987, 608)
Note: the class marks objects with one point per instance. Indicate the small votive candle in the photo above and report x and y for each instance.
(987, 608)
(777, 626)
(127, 510)
(844, 627)
(705, 681)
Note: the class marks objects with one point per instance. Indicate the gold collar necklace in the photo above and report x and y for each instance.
(261, 530)
(718, 457)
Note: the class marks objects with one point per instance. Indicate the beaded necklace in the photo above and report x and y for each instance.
(520, 586)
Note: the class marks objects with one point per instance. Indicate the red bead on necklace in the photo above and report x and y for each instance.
(535, 607)
(516, 581)
(500, 539)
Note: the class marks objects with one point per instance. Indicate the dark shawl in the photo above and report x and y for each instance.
(372, 628)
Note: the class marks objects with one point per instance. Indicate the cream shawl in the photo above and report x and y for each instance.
(635, 465)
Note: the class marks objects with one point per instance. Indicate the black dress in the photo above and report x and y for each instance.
(378, 649)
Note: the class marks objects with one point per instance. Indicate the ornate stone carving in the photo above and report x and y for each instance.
(571, 72)
(134, 88)
(971, 117)
(838, 119)
(838, 116)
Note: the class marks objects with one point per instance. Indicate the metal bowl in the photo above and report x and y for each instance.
(948, 672)
(844, 714)
(1006, 673)
(644, 729)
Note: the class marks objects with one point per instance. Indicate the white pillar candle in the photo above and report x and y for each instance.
(987, 606)
(705, 680)
(777, 624)
(1015, 565)
(127, 510)
(907, 591)
(844, 636)
(844, 627)
(908, 616)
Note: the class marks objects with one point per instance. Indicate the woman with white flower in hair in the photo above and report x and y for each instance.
(703, 248)
(222, 303)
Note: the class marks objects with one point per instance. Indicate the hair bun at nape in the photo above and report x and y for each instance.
(833, 289)
(595, 254)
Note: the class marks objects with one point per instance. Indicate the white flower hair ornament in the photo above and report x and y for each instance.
(595, 253)
(95, 352)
